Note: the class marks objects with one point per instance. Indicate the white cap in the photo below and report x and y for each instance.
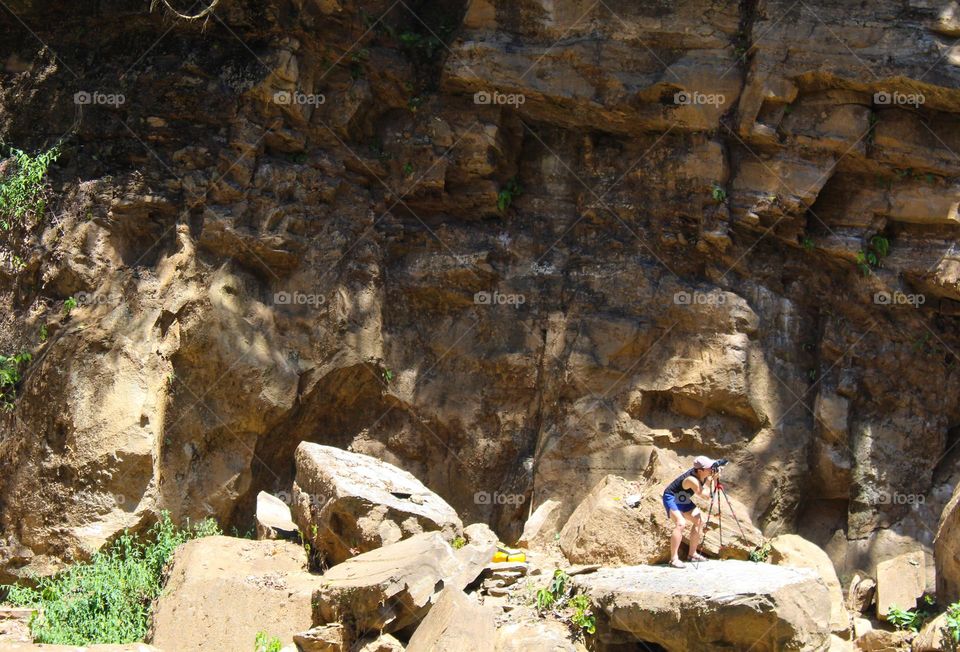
(703, 462)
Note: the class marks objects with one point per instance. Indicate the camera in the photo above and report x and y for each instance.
(721, 462)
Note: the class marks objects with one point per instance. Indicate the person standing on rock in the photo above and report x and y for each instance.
(678, 501)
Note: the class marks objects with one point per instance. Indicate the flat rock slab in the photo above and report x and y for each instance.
(715, 605)
(900, 581)
(223, 590)
(347, 503)
(389, 588)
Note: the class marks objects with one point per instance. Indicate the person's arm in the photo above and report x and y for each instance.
(712, 481)
(694, 485)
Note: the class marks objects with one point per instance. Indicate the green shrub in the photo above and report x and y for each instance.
(554, 595)
(718, 193)
(761, 552)
(953, 622)
(870, 257)
(23, 193)
(108, 599)
(266, 643)
(10, 376)
(508, 193)
(459, 542)
(911, 619)
(582, 616)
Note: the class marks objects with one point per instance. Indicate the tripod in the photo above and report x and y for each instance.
(721, 491)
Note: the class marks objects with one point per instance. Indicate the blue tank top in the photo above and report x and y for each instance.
(676, 489)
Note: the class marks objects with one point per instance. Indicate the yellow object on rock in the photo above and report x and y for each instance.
(509, 554)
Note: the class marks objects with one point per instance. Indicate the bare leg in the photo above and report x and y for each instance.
(676, 537)
(696, 532)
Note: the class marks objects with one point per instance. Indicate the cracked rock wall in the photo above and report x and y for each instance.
(510, 247)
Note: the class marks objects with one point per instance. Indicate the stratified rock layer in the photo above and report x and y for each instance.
(509, 247)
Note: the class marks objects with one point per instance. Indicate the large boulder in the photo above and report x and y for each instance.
(900, 581)
(221, 591)
(348, 503)
(387, 589)
(794, 550)
(456, 622)
(543, 525)
(946, 551)
(717, 605)
(605, 529)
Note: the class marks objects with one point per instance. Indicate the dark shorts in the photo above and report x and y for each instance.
(670, 502)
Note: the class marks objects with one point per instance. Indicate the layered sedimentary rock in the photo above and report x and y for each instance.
(509, 247)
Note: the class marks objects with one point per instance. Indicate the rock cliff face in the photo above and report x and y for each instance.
(510, 246)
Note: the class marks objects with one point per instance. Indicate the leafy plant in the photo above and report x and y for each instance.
(718, 193)
(953, 622)
(408, 169)
(459, 542)
(545, 599)
(555, 593)
(508, 193)
(23, 193)
(582, 615)
(266, 643)
(43, 332)
(388, 375)
(760, 553)
(10, 377)
(107, 600)
(876, 250)
(807, 244)
(69, 304)
(911, 619)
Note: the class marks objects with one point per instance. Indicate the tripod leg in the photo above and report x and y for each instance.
(706, 525)
(730, 506)
(720, 523)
